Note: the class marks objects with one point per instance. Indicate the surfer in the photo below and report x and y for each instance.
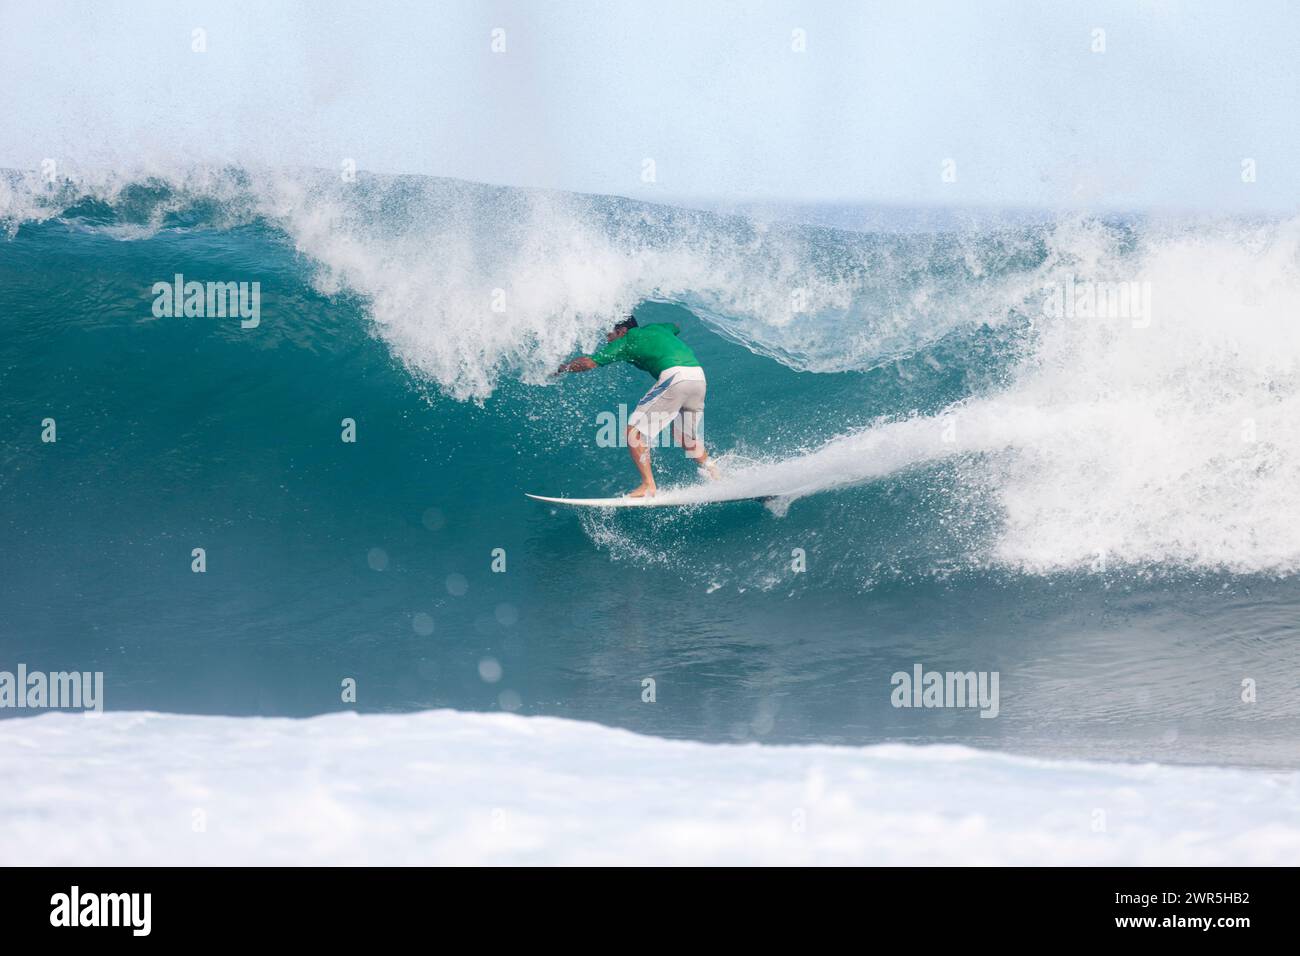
(677, 395)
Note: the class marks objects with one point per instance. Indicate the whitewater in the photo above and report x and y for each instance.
(453, 789)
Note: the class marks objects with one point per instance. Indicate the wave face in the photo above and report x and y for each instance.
(997, 445)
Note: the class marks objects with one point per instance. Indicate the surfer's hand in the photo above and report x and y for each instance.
(581, 364)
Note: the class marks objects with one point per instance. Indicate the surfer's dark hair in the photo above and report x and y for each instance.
(628, 323)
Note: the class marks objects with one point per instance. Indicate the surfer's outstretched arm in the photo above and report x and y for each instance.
(581, 364)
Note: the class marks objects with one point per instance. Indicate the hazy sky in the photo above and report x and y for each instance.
(713, 92)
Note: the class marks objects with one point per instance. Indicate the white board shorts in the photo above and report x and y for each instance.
(678, 396)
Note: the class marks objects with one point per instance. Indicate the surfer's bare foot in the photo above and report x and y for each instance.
(710, 471)
(643, 491)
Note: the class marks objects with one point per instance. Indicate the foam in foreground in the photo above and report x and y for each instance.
(457, 788)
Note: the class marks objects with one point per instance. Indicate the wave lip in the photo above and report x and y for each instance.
(456, 788)
(469, 283)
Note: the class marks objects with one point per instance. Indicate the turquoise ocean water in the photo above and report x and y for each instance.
(1104, 511)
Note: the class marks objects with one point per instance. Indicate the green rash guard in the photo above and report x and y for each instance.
(651, 348)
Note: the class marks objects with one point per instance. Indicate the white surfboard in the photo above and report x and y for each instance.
(678, 497)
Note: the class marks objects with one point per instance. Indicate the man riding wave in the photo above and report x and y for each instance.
(677, 396)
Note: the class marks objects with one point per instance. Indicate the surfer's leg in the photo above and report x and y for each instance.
(690, 428)
(694, 448)
(652, 414)
(640, 449)
(703, 462)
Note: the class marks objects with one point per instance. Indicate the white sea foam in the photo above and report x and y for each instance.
(1174, 443)
(1122, 442)
(457, 788)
